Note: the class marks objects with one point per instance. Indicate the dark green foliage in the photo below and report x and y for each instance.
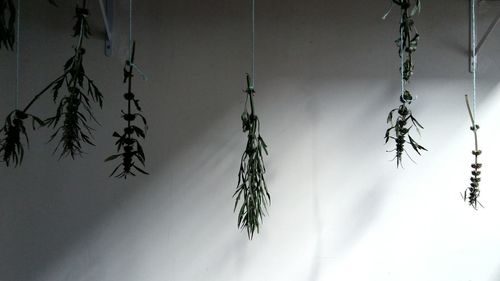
(11, 147)
(75, 107)
(472, 192)
(404, 122)
(251, 186)
(13, 131)
(399, 131)
(128, 144)
(7, 24)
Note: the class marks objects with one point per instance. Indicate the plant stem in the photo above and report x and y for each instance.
(250, 92)
(130, 73)
(42, 92)
(473, 122)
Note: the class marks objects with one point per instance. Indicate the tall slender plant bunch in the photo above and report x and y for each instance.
(401, 120)
(251, 188)
(74, 110)
(128, 145)
(471, 194)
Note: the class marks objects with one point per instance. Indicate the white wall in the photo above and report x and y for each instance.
(326, 79)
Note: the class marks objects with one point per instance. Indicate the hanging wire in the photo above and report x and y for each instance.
(253, 43)
(18, 31)
(474, 61)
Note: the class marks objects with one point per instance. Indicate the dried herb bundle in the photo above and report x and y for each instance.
(472, 192)
(11, 146)
(7, 24)
(401, 125)
(251, 186)
(75, 108)
(128, 143)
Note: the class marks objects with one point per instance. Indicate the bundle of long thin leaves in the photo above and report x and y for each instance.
(75, 107)
(472, 192)
(128, 145)
(7, 24)
(13, 132)
(251, 188)
(402, 123)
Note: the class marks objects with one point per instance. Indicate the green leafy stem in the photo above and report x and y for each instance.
(74, 77)
(402, 123)
(251, 187)
(14, 131)
(472, 192)
(128, 144)
(75, 108)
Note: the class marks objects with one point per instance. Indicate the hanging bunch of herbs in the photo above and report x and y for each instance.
(128, 145)
(472, 192)
(7, 24)
(13, 132)
(401, 119)
(251, 188)
(74, 110)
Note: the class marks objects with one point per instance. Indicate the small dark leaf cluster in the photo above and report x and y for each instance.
(251, 188)
(7, 24)
(13, 131)
(400, 128)
(128, 146)
(400, 131)
(75, 107)
(472, 192)
(408, 41)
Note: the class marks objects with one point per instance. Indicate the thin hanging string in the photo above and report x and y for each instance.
(474, 61)
(253, 43)
(18, 31)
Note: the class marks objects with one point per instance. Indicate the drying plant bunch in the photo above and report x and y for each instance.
(472, 192)
(401, 119)
(13, 131)
(69, 109)
(74, 110)
(11, 145)
(251, 188)
(128, 144)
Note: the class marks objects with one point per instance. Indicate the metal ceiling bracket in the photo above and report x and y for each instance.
(483, 39)
(107, 9)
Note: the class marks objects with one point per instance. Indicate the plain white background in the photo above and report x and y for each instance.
(327, 75)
